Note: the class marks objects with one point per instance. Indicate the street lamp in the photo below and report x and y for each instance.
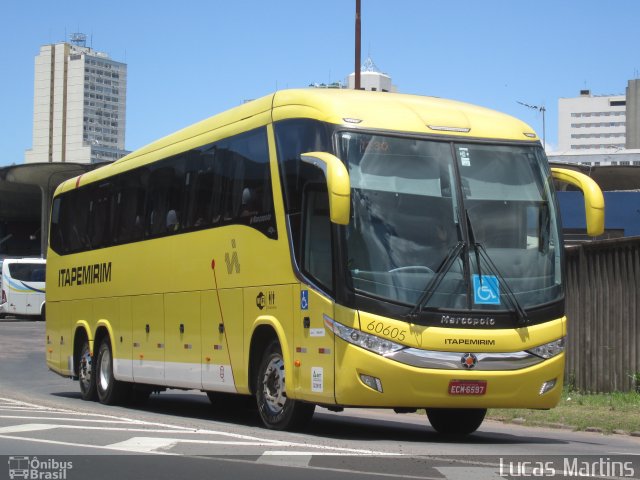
(541, 109)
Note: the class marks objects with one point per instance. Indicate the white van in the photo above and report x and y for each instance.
(23, 286)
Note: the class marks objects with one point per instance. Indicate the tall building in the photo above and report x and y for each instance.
(591, 122)
(633, 114)
(596, 123)
(79, 105)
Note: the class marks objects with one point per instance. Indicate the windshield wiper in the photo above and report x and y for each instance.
(481, 253)
(432, 286)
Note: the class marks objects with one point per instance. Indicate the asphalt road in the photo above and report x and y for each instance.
(48, 431)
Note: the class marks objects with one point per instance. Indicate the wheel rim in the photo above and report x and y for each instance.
(85, 368)
(273, 385)
(105, 369)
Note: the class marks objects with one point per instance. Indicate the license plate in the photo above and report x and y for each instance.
(467, 387)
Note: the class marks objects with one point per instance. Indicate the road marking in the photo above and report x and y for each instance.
(100, 419)
(64, 419)
(465, 473)
(70, 444)
(27, 427)
(151, 444)
(144, 444)
(285, 459)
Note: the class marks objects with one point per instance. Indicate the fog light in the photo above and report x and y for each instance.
(371, 382)
(548, 385)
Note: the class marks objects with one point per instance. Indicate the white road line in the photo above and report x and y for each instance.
(76, 445)
(152, 444)
(285, 459)
(111, 419)
(64, 419)
(465, 473)
(143, 444)
(28, 427)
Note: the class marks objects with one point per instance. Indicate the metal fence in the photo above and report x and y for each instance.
(603, 306)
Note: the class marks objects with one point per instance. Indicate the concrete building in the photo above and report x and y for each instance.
(372, 79)
(591, 123)
(600, 123)
(79, 106)
(633, 114)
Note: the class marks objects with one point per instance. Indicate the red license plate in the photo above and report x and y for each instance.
(467, 387)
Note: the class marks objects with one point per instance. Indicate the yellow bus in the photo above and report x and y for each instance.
(324, 248)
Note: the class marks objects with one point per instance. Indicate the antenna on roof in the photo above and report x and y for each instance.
(79, 39)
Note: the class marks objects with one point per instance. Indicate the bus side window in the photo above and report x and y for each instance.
(99, 221)
(199, 189)
(162, 210)
(129, 204)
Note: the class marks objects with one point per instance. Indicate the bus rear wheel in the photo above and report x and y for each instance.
(86, 373)
(110, 391)
(277, 411)
(456, 421)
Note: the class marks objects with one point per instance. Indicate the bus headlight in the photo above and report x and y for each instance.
(374, 344)
(549, 350)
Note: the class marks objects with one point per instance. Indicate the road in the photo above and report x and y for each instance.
(181, 435)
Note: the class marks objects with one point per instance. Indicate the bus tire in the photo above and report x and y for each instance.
(456, 421)
(276, 410)
(86, 373)
(110, 391)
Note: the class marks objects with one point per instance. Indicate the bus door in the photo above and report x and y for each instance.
(313, 347)
(314, 344)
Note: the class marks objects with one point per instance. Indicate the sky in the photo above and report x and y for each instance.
(191, 59)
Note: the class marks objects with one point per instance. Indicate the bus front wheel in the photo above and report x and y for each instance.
(110, 391)
(278, 412)
(456, 421)
(86, 373)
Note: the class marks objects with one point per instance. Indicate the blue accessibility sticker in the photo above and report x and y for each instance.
(486, 290)
(304, 300)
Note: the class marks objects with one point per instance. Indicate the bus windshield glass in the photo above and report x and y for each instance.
(446, 225)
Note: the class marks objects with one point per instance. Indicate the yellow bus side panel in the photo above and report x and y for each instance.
(182, 339)
(123, 359)
(148, 338)
(54, 326)
(233, 317)
(217, 371)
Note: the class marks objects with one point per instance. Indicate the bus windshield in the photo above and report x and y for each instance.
(445, 225)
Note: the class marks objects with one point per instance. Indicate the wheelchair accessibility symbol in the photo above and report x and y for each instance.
(486, 291)
(304, 300)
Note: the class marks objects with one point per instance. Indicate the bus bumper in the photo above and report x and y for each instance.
(408, 386)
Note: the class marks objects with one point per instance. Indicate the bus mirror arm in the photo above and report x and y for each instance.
(593, 198)
(338, 185)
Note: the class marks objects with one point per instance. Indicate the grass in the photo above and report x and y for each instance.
(605, 412)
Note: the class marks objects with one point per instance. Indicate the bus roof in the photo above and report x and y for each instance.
(355, 108)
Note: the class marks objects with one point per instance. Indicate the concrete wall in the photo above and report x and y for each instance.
(633, 114)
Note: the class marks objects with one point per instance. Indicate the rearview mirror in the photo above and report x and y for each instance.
(593, 199)
(338, 184)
